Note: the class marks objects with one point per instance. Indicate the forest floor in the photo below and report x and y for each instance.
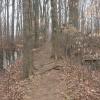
(61, 80)
(53, 80)
(48, 77)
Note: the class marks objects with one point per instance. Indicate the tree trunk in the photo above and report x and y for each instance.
(60, 11)
(28, 38)
(1, 58)
(1, 48)
(66, 9)
(55, 31)
(73, 12)
(12, 33)
(36, 23)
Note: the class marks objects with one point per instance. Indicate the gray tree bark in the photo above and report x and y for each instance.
(73, 12)
(36, 7)
(1, 48)
(13, 30)
(56, 54)
(28, 38)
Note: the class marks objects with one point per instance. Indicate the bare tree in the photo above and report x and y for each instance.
(13, 28)
(1, 47)
(55, 31)
(28, 38)
(36, 9)
(73, 12)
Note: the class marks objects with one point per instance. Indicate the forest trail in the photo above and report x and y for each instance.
(60, 80)
(48, 82)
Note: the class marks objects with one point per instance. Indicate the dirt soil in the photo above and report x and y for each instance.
(46, 85)
(61, 80)
(53, 80)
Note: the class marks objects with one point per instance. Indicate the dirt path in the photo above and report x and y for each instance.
(45, 86)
